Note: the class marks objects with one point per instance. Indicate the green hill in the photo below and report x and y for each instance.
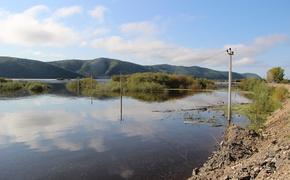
(195, 71)
(104, 67)
(100, 68)
(251, 75)
(24, 68)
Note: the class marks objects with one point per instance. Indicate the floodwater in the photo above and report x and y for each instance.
(68, 137)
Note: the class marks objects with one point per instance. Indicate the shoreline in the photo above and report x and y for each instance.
(245, 154)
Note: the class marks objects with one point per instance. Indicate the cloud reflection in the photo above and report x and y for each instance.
(81, 125)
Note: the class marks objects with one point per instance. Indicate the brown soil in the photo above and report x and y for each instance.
(245, 154)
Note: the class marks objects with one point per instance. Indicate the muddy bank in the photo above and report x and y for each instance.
(245, 154)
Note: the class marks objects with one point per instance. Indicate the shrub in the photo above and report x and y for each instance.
(141, 82)
(249, 84)
(3, 80)
(280, 93)
(11, 86)
(161, 81)
(82, 84)
(265, 100)
(275, 74)
(36, 87)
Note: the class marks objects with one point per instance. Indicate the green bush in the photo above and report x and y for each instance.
(140, 82)
(249, 84)
(3, 80)
(280, 94)
(275, 74)
(160, 81)
(202, 84)
(266, 99)
(11, 86)
(82, 84)
(36, 87)
(145, 87)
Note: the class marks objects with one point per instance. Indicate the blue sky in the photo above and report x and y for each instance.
(188, 32)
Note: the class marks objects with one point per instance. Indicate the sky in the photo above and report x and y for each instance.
(177, 32)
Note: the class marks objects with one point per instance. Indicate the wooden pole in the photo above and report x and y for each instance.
(121, 100)
(91, 82)
(78, 86)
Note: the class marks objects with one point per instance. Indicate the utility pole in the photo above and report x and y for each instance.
(230, 53)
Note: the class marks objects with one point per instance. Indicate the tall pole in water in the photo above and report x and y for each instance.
(121, 99)
(230, 53)
(78, 85)
(91, 81)
(91, 88)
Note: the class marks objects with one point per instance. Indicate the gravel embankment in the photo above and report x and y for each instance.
(245, 154)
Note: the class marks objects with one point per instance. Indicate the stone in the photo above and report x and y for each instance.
(274, 142)
(268, 160)
(226, 177)
(269, 170)
(285, 148)
(195, 171)
(253, 133)
(247, 177)
(257, 169)
(274, 160)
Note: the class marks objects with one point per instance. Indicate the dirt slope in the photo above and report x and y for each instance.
(245, 154)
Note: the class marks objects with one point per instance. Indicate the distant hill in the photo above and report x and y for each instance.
(195, 71)
(251, 75)
(101, 67)
(104, 67)
(25, 68)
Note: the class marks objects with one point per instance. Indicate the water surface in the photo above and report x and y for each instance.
(66, 137)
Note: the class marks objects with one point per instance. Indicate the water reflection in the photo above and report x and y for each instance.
(87, 134)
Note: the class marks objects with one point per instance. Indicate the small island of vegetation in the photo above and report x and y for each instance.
(142, 86)
(140, 82)
(8, 86)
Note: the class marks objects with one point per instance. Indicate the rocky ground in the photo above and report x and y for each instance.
(245, 154)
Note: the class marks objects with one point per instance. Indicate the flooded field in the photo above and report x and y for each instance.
(70, 137)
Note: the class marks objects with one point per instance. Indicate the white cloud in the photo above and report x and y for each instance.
(154, 49)
(244, 62)
(68, 11)
(101, 31)
(27, 126)
(35, 10)
(27, 29)
(145, 28)
(44, 55)
(98, 13)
